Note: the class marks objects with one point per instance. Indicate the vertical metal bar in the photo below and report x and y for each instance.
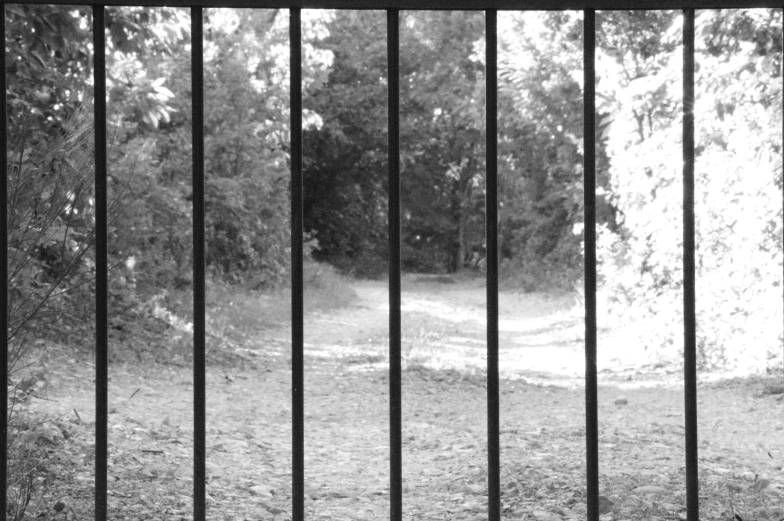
(4, 278)
(199, 287)
(491, 238)
(395, 387)
(589, 209)
(689, 292)
(297, 300)
(101, 264)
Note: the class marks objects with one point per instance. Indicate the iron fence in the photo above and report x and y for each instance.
(392, 7)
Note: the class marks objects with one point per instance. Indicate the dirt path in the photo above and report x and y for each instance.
(445, 324)
(347, 465)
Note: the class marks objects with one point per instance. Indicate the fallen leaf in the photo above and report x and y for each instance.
(649, 489)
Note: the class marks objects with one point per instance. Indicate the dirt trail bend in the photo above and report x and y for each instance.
(444, 325)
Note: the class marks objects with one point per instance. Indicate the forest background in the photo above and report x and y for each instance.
(639, 166)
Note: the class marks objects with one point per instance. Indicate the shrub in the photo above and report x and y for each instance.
(50, 228)
(737, 202)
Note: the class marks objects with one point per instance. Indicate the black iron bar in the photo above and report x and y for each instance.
(297, 316)
(589, 209)
(101, 264)
(395, 387)
(689, 290)
(4, 278)
(469, 5)
(199, 251)
(491, 238)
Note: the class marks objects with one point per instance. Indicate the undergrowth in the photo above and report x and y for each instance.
(233, 309)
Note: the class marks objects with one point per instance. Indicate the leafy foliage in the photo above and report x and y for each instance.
(540, 150)
(247, 207)
(738, 175)
(345, 160)
(50, 227)
(442, 142)
(442, 133)
(442, 136)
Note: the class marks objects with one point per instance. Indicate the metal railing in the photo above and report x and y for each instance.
(298, 381)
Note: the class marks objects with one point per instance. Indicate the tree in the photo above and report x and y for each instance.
(345, 157)
(541, 148)
(442, 135)
(246, 156)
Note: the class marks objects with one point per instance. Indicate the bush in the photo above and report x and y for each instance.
(371, 265)
(738, 203)
(50, 228)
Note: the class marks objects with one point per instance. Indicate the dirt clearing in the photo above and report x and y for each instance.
(444, 422)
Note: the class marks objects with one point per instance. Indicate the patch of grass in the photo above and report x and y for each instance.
(422, 338)
(234, 314)
(325, 288)
(428, 343)
(435, 279)
(234, 310)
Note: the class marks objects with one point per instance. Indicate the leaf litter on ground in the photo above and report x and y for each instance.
(444, 438)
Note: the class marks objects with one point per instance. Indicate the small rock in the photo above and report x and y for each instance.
(621, 400)
(261, 490)
(605, 505)
(472, 506)
(474, 489)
